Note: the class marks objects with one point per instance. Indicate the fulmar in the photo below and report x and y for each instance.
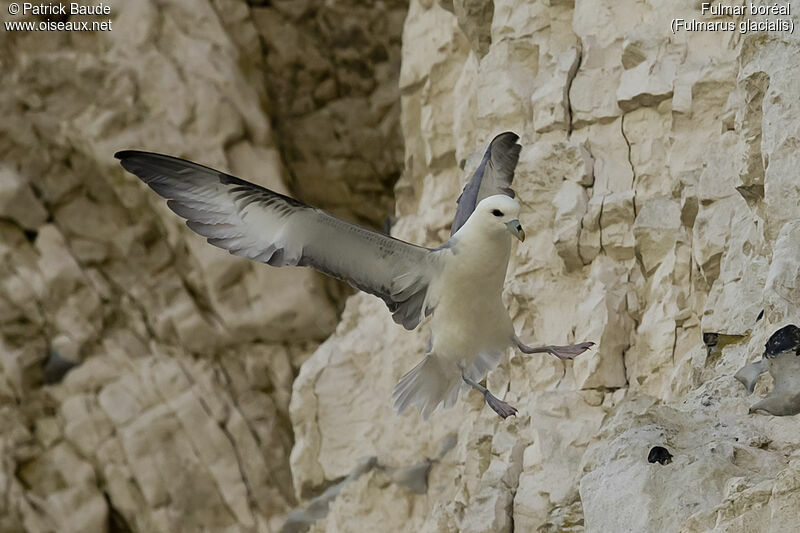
(460, 283)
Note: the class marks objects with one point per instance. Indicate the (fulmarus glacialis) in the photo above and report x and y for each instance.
(460, 283)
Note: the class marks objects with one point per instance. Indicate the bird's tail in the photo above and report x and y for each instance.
(427, 385)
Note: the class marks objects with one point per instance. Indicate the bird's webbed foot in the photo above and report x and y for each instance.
(571, 351)
(562, 352)
(498, 406)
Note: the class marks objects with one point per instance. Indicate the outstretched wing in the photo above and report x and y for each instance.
(259, 224)
(493, 176)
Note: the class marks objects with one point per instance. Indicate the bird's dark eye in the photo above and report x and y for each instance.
(497, 213)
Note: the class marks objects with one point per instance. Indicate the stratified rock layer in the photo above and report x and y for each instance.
(331, 74)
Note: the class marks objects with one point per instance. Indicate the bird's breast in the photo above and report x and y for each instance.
(470, 316)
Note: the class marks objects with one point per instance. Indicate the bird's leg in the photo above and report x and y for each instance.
(498, 406)
(562, 352)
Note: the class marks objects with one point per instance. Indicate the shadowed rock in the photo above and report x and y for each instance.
(56, 367)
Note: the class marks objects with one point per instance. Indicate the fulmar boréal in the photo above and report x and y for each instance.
(460, 283)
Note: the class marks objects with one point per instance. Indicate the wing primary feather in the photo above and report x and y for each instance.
(493, 176)
(254, 222)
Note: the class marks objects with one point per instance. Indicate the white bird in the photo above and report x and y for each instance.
(460, 283)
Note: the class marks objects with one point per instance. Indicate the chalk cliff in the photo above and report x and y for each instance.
(660, 197)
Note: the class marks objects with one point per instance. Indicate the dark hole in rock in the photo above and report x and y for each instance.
(710, 339)
(660, 455)
(56, 367)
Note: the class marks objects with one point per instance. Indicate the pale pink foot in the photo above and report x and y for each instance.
(562, 352)
(498, 406)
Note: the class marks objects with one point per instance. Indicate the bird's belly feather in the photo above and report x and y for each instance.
(469, 321)
(469, 318)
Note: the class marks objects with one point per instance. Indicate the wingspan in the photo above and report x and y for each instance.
(493, 176)
(259, 224)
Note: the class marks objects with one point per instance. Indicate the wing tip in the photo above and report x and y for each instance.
(506, 136)
(505, 141)
(504, 150)
(126, 154)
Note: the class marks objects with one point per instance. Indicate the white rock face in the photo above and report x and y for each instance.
(660, 198)
(651, 200)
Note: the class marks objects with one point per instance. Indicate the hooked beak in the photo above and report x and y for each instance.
(516, 229)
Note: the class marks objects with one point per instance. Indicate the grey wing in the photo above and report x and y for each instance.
(493, 176)
(748, 375)
(254, 222)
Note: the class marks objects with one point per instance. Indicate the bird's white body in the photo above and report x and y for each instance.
(470, 327)
(470, 318)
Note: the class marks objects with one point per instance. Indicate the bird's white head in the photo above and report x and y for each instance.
(499, 213)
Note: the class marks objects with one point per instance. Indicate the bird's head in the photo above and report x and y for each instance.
(500, 213)
(785, 339)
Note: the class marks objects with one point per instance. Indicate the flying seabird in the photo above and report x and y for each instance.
(460, 283)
